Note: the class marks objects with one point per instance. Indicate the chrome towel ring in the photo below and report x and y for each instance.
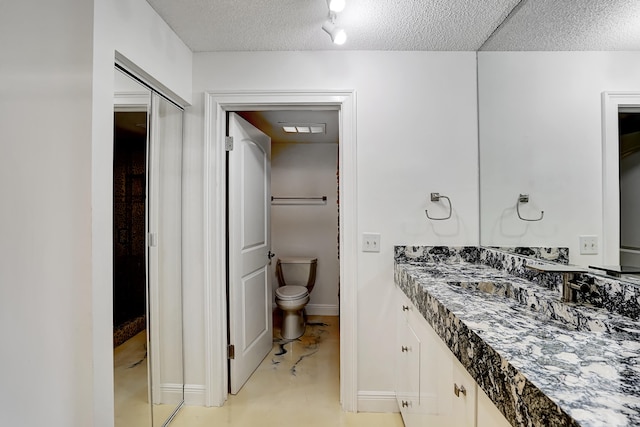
(524, 198)
(435, 197)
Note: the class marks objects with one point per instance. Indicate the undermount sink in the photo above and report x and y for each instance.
(544, 304)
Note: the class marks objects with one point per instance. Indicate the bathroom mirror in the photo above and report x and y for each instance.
(147, 255)
(541, 133)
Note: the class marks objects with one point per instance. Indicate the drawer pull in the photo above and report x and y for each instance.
(404, 349)
(405, 308)
(457, 390)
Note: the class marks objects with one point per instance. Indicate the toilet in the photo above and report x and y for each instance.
(296, 277)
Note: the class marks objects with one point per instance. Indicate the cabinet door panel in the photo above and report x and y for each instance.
(488, 414)
(464, 403)
(436, 374)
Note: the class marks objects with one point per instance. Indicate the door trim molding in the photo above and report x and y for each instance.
(217, 103)
(611, 101)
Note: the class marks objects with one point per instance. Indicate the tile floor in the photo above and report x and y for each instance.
(297, 384)
(130, 382)
(131, 397)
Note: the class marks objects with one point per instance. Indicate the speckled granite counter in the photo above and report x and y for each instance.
(542, 362)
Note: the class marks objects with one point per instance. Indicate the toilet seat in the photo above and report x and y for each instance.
(290, 293)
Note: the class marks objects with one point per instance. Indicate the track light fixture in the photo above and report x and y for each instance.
(338, 35)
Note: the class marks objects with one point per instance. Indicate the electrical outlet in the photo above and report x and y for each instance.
(370, 242)
(588, 245)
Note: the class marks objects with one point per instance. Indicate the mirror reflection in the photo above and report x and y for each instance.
(147, 252)
(629, 154)
(541, 127)
(165, 260)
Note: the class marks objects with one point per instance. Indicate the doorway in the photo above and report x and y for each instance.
(129, 267)
(304, 213)
(216, 107)
(129, 224)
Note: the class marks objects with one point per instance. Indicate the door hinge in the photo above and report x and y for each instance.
(231, 351)
(228, 143)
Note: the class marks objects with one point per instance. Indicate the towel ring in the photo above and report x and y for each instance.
(524, 198)
(435, 197)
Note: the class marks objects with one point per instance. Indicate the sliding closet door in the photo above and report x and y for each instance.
(165, 259)
(132, 104)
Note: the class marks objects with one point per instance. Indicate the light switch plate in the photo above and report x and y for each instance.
(588, 245)
(370, 242)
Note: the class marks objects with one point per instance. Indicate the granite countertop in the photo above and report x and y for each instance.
(542, 362)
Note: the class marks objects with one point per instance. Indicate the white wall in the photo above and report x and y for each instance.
(45, 218)
(56, 86)
(308, 170)
(541, 134)
(136, 32)
(416, 134)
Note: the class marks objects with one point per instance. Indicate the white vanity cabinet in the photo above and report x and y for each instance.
(432, 386)
(488, 415)
(408, 368)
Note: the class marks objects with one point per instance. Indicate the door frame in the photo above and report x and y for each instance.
(611, 102)
(217, 104)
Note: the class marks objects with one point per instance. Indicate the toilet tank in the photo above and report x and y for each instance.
(297, 271)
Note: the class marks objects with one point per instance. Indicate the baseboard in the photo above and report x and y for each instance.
(170, 394)
(322, 309)
(377, 401)
(194, 395)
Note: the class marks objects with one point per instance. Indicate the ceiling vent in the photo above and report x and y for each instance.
(304, 127)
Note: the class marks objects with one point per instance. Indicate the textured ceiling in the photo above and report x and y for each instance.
(407, 25)
(283, 25)
(427, 25)
(570, 25)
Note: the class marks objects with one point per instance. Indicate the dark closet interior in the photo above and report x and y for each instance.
(129, 195)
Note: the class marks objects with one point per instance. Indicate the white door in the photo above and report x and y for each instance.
(250, 317)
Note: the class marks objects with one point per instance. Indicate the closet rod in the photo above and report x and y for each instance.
(323, 198)
(299, 200)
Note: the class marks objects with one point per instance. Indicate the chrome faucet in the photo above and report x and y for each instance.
(570, 286)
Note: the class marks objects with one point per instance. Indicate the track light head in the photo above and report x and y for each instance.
(336, 6)
(338, 35)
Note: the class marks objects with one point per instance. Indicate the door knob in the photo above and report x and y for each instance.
(271, 255)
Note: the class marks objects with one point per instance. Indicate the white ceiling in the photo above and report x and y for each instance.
(270, 122)
(424, 25)
(546, 25)
(404, 25)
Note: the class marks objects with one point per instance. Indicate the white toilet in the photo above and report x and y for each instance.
(296, 277)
